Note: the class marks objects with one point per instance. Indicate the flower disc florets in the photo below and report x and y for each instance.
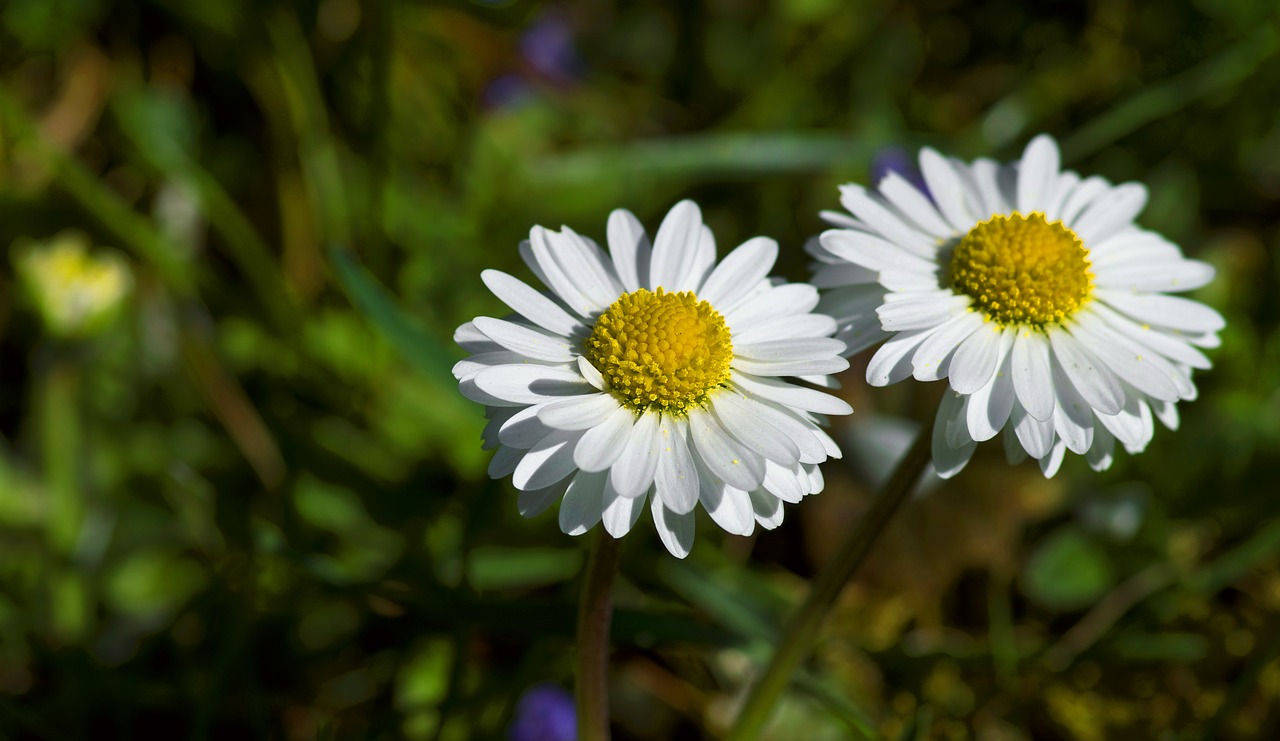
(1022, 270)
(661, 351)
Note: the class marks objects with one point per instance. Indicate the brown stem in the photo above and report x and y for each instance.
(595, 613)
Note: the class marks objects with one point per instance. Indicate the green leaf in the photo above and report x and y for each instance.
(1166, 646)
(153, 582)
(409, 338)
(504, 568)
(1067, 571)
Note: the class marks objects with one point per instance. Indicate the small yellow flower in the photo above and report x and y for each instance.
(76, 292)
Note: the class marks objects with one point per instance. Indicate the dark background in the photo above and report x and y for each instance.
(246, 500)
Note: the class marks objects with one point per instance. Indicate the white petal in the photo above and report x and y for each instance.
(844, 274)
(676, 478)
(808, 348)
(789, 424)
(578, 412)
(1097, 384)
(906, 281)
(884, 221)
(530, 384)
(784, 300)
(1101, 454)
(632, 473)
(1050, 463)
(504, 462)
(1133, 248)
(619, 513)
(784, 483)
(582, 505)
(523, 429)
(1173, 312)
(947, 190)
(796, 397)
(1038, 174)
(948, 460)
(473, 340)
(497, 416)
(985, 174)
(1127, 426)
(723, 456)
(787, 327)
(840, 219)
(988, 408)
(601, 445)
(817, 366)
(859, 335)
(922, 311)
(957, 426)
(730, 508)
(468, 367)
(533, 343)
(557, 278)
(1031, 380)
(828, 444)
(675, 247)
(630, 249)
(1108, 215)
(590, 374)
(741, 419)
(914, 205)
(702, 261)
(1073, 416)
(814, 475)
(530, 303)
(547, 462)
(1143, 371)
(767, 509)
(1167, 413)
(1063, 187)
(978, 357)
(739, 271)
(846, 304)
(873, 252)
(931, 359)
(1172, 277)
(1035, 435)
(892, 362)
(1087, 192)
(676, 531)
(585, 263)
(534, 503)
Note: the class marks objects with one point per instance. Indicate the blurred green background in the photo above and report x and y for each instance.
(240, 496)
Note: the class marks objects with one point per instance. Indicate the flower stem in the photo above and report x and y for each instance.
(803, 628)
(594, 615)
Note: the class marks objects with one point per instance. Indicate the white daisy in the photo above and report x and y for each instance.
(653, 371)
(1033, 291)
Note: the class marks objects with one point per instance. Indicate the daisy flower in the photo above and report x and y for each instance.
(1031, 290)
(653, 372)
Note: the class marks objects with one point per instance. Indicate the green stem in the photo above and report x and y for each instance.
(803, 628)
(61, 449)
(594, 615)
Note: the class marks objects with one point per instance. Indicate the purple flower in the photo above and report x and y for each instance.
(548, 48)
(505, 91)
(545, 713)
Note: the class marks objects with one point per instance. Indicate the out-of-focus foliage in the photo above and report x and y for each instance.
(245, 499)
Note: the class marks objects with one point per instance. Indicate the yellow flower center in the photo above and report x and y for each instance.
(661, 351)
(1022, 270)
